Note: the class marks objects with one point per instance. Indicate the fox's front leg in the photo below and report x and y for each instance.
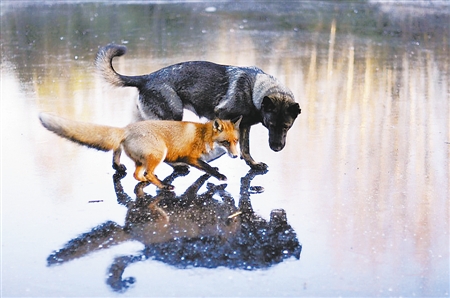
(201, 165)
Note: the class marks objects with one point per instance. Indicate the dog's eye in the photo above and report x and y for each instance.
(225, 143)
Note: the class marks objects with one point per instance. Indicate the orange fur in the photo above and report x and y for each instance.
(148, 143)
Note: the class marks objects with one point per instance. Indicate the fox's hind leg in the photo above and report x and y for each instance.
(139, 172)
(116, 161)
(152, 163)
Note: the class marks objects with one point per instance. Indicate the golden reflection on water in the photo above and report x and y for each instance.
(371, 145)
(381, 137)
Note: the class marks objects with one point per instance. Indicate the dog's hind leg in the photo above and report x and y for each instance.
(160, 104)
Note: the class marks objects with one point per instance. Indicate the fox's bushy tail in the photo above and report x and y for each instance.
(103, 62)
(100, 137)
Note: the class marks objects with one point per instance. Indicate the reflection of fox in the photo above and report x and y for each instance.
(148, 143)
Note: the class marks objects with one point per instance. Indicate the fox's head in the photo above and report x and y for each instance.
(226, 134)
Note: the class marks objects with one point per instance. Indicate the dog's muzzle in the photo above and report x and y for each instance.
(276, 146)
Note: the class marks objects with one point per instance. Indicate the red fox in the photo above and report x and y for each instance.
(149, 143)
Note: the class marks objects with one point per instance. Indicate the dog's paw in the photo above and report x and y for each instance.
(259, 166)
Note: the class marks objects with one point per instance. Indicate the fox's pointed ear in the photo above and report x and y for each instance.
(236, 121)
(217, 125)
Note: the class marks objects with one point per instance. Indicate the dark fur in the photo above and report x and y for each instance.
(212, 91)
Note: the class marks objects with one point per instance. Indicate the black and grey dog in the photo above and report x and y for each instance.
(210, 90)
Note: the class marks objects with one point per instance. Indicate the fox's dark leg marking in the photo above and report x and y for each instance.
(201, 165)
(116, 161)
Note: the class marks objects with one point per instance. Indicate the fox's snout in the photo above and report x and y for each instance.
(232, 155)
(231, 148)
(233, 151)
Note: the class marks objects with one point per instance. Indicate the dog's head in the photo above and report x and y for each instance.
(278, 116)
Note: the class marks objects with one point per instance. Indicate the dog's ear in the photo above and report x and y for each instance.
(267, 104)
(294, 110)
(217, 125)
(236, 122)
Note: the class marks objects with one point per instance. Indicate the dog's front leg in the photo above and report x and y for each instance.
(244, 143)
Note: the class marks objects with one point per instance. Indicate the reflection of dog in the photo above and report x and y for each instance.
(210, 90)
(191, 230)
(148, 143)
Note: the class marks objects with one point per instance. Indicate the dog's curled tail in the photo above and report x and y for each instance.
(100, 137)
(103, 63)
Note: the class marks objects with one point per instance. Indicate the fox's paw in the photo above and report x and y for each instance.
(222, 177)
(181, 169)
(119, 168)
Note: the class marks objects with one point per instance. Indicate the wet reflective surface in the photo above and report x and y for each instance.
(362, 184)
(189, 230)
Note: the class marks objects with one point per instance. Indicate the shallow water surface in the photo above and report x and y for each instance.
(356, 204)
